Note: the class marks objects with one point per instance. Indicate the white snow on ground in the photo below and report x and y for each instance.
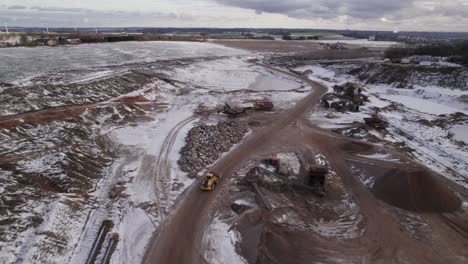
(366, 179)
(246, 202)
(423, 105)
(322, 75)
(145, 211)
(431, 100)
(220, 243)
(136, 232)
(345, 225)
(145, 200)
(381, 156)
(225, 75)
(434, 146)
(95, 75)
(228, 75)
(460, 133)
(57, 235)
(269, 83)
(15, 63)
(42, 164)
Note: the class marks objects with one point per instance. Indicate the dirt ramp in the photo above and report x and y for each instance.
(418, 191)
(356, 147)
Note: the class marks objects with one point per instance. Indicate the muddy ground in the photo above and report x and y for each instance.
(303, 50)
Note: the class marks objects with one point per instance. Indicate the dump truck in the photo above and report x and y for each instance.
(232, 112)
(263, 106)
(210, 181)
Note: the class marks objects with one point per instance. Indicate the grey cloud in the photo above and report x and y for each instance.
(17, 7)
(62, 10)
(58, 17)
(354, 9)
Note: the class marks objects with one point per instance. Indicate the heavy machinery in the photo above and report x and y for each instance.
(232, 112)
(317, 177)
(263, 106)
(210, 181)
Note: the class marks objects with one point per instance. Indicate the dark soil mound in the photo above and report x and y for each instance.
(417, 191)
(355, 147)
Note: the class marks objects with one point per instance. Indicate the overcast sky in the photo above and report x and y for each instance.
(417, 15)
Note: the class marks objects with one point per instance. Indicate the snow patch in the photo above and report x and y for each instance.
(220, 243)
(460, 133)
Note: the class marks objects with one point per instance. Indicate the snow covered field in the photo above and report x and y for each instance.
(220, 243)
(138, 189)
(96, 59)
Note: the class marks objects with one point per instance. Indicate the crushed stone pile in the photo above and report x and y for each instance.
(205, 144)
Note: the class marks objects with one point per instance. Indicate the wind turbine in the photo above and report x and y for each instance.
(6, 28)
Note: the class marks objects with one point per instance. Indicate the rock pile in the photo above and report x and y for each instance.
(205, 144)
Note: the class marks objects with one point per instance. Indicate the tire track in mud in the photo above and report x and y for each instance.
(163, 165)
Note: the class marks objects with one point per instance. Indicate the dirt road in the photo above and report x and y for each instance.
(383, 242)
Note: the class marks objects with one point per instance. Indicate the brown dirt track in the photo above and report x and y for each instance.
(383, 242)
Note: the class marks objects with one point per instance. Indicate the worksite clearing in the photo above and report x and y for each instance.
(207, 153)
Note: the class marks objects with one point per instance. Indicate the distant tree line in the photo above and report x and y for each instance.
(289, 37)
(457, 52)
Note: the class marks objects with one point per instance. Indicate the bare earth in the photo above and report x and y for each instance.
(270, 46)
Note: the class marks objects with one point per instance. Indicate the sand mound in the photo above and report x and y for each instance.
(417, 191)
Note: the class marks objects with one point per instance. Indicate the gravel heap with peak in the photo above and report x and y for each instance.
(205, 144)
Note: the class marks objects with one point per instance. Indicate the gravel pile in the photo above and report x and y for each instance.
(205, 144)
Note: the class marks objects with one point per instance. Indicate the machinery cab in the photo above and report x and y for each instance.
(210, 181)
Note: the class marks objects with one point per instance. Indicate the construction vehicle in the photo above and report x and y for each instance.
(210, 181)
(232, 112)
(263, 106)
(274, 161)
(316, 180)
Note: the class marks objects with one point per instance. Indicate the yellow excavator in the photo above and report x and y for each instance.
(210, 181)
